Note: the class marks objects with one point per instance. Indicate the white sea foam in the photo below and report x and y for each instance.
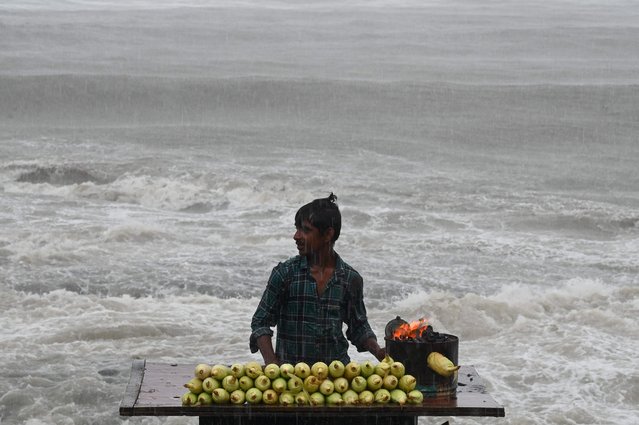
(555, 345)
(556, 342)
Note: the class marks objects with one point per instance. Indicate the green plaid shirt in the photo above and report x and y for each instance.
(309, 327)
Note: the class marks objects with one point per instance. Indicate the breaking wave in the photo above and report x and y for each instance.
(60, 176)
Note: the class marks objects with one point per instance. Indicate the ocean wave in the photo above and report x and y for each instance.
(65, 317)
(146, 5)
(134, 232)
(52, 171)
(60, 176)
(80, 100)
(590, 224)
(584, 302)
(575, 342)
(180, 191)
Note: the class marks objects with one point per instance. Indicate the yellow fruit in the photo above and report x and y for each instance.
(189, 399)
(194, 385)
(441, 364)
(202, 371)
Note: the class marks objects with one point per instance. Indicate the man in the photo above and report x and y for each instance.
(309, 297)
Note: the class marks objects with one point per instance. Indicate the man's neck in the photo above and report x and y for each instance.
(322, 260)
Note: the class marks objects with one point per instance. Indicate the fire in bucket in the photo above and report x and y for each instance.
(412, 343)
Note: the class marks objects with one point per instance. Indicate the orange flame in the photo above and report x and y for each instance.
(410, 330)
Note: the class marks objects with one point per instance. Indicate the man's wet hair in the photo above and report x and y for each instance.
(322, 213)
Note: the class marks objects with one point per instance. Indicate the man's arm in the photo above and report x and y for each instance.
(359, 331)
(265, 345)
(266, 316)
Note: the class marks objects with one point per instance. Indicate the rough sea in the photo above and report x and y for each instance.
(485, 155)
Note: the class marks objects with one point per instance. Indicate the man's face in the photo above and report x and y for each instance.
(308, 239)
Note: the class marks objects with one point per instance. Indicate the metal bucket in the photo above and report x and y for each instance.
(413, 354)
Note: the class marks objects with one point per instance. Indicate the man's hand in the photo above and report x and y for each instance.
(271, 360)
(380, 354)
(375, 349)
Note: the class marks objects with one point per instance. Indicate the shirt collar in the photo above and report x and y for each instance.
(339, 263)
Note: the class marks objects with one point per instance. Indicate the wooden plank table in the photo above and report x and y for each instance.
(155, 389)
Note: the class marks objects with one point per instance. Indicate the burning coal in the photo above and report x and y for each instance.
(416, 331)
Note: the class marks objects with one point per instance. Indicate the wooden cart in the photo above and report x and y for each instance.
(155, 389)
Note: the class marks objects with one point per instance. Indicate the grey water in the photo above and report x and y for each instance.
(153, 155)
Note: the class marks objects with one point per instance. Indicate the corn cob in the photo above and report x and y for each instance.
(441, 364)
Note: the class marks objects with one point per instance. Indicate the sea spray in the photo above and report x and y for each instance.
(173, 192)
